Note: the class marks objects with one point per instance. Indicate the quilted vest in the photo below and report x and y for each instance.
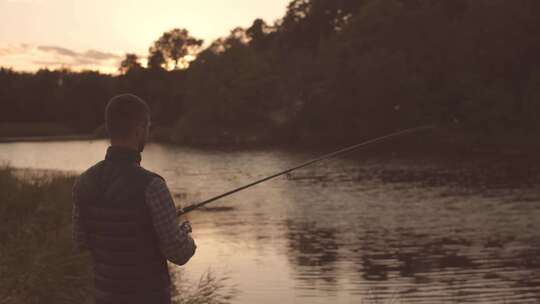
(128, 265)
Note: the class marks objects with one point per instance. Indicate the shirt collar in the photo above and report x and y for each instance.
(116, 153)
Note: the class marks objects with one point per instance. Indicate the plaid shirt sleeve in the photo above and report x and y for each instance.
(177, 245)
(77, 234)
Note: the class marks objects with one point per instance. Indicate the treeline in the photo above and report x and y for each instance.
(78, 99)
(328, 70)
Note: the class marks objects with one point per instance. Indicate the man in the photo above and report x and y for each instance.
(125, 215)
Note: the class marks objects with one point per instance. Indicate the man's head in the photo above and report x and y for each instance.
(127, 118)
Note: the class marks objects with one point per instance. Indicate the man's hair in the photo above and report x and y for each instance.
(124, 113)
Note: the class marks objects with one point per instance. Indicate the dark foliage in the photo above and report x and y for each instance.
(328, 70)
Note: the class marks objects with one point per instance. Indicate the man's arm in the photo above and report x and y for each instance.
(77, 234)
(175, 243)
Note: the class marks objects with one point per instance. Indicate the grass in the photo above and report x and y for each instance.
(210, 289)
(37, 263)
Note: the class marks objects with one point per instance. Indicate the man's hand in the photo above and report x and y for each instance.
(186, 227)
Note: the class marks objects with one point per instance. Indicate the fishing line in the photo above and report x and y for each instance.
(307, 163)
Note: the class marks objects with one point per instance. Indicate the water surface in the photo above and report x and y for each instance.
(372, 230)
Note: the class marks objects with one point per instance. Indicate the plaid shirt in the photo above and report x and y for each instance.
(175, 244)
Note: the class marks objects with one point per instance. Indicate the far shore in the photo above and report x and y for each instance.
(48, 138)
(457, 142)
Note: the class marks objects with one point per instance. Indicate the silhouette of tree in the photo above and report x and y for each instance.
(176, 45)
(156, 59)
(259, 33)
(130, 63)
(237, 38)
(325, 71)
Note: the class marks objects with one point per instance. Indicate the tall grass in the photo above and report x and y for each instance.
(210, 289)
(37, 263)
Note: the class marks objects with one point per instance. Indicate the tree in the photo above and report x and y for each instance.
(130, 63)
(258, 34)
(177, 45)
(156, 60)
(237, 38)
(308, 22)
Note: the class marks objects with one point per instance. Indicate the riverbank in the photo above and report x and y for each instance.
(38, 131)
(47, 138)
(29, 129)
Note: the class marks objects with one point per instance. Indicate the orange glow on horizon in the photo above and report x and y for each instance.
(95, 35)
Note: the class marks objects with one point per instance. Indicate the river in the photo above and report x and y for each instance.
(350, 230)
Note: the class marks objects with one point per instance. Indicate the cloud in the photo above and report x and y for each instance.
(58, 50)
(14, 49)
(100, 55)
(80, 62)
(90, 54)
(90, 57)
(31, 58)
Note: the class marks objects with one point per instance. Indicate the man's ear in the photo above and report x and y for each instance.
(137, 132)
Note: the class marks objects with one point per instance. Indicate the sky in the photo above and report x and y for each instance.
(95, 34)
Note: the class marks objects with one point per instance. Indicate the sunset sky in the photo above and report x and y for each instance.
(95, 34)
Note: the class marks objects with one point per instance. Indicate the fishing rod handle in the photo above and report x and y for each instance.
(182, 211)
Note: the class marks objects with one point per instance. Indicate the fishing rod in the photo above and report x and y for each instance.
(308, 163)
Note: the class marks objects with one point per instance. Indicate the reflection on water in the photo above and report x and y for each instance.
(347, 231)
